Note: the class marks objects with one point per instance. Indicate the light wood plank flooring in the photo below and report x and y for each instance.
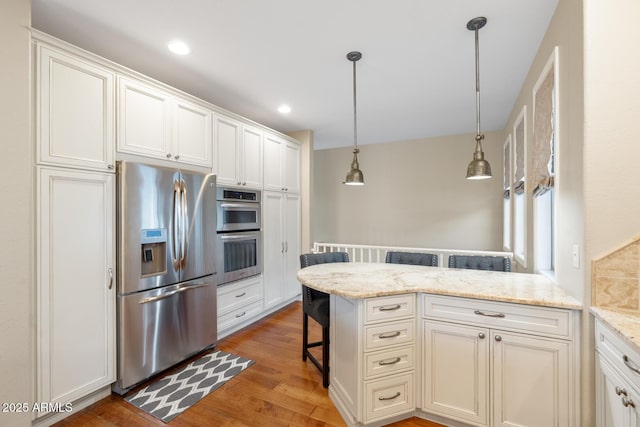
(278, 390)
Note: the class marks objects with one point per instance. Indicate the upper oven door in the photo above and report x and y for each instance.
(237, 216)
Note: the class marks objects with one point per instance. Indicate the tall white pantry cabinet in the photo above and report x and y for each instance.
(75, 341)
(88, 112)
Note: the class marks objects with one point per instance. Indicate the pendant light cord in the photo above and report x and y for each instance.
(477, 83)
(355, 110)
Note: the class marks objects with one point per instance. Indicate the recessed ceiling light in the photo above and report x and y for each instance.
(178, 47)
(284, 109)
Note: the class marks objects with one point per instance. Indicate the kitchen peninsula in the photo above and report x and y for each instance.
(459, 347)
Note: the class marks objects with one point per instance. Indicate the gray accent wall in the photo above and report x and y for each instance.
(416, 194)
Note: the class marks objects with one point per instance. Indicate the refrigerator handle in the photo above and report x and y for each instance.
(175, 225)
(185, 224)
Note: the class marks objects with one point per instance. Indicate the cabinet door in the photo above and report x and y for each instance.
(227, 142)
(144, 116)
(292, 167)
(531, 377)
(251, 157)
(612, 392)
(273, 148)
(192, 134)
(74, 111)
(292, 245)
(272, 208)
(456, 371)
(75, 288)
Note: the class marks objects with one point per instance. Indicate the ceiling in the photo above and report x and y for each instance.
(416, 77)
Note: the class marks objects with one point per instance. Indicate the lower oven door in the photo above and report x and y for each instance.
(239, 255)
(164, 326)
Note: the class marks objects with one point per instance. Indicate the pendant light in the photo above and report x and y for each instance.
(479, 168)
(354, 176)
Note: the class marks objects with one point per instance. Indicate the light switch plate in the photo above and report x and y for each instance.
(576, 256)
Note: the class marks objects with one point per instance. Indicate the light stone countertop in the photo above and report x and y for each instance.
(624, 322)
(365, 280)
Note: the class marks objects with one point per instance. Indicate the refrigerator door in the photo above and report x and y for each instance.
(198, 201)
(148, 229)
(162, 327)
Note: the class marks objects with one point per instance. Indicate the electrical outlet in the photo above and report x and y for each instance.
(576, 256)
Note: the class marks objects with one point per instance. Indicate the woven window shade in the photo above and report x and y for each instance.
(544, 137)
(518, 176)
(507, 169)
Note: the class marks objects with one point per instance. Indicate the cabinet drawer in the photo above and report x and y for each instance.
(389, 396)
(239, 315)
(389, 334)
(618, 352)
(389, 308)
(516, 317)
(236, 295)
(389, 362)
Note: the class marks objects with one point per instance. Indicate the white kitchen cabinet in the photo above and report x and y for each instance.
(488, 363)
(617, 380)
(281, 164)
(75, 339)
(238, 303)
(239, 153)
(456, 371)
(74, 111)
(154, 123)
(281, 232)
(372, 373)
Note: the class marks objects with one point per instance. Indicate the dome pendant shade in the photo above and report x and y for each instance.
(479, 168)
(354, 176)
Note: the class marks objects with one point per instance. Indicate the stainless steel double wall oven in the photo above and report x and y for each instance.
(239, 248)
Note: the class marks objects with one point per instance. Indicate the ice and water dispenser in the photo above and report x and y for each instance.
(154, 251)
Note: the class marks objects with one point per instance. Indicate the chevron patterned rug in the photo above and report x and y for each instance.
(171, 395)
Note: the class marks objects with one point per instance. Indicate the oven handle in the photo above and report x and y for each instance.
(251, 206)
(236, 237)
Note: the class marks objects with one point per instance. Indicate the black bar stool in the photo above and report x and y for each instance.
(413, 258)
(480, 262)
(315, 304)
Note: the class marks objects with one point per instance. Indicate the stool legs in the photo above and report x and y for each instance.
(306, 345)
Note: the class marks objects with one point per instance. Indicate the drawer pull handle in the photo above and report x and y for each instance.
(390, 307)
(393, 362)
(621, 391)
(241, 295)
(628, 402)
(630, 364)
(241, 314)
(389, 335)
(481, 313)
(390, 397)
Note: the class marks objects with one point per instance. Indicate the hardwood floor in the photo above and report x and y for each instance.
(278, 390)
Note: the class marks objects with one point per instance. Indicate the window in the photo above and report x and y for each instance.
(506, 194)
(519, 189)
(545, 131)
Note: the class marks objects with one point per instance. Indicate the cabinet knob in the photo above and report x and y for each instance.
(110, 167)
(498, 338)
(621, 391)
(481, 335)
(244, 183)
(628, 402)
(177, 157)
(110, 277)
(238, 183)
(168, 155)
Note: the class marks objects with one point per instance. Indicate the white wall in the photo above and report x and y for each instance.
(16, 174)
(611, 128)
(306, 186)
(416, 194)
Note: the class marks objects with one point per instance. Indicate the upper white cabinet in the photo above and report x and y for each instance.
(239, 156)
(281, 164)
(155, 123)
(74, 111)
(75, 291)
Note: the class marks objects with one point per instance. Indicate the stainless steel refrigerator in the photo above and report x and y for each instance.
(166, 269)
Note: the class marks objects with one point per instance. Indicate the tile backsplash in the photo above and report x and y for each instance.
(616, 278)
